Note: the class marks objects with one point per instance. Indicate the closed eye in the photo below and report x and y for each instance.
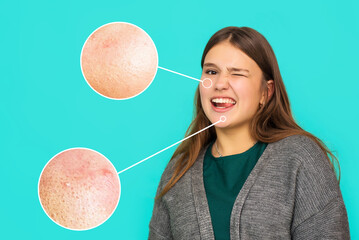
(239, 75)
(212, 72)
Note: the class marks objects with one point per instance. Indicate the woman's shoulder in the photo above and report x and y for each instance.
(307, 154)
(297, 141)
(172, 164)
(300, 146)
(300, 152)
(169, 169)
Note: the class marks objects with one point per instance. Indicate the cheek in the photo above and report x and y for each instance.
(119, 60)
(204, 94)
(246, 93)
(79, 189)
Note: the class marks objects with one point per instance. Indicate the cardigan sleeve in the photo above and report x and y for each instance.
(160, 225)
(160, 228)
(329, 223)
(319, 211)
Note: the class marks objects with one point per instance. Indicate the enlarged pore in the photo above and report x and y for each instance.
(79, 189)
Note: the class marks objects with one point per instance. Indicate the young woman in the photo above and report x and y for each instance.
(257, 175)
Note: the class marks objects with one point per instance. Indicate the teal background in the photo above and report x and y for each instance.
(46, 105)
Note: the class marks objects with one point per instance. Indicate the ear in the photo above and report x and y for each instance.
(270, 86)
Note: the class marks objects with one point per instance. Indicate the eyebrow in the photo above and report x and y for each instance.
(229, 69)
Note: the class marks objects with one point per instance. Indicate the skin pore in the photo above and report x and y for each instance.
(237, 76)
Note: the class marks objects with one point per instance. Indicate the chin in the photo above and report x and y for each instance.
(213, 118)
(222, 125)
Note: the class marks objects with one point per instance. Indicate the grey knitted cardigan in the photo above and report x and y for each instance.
(291, 193)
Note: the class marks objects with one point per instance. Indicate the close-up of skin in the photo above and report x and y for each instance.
(79, 189)
(119, 60)
(237, 89)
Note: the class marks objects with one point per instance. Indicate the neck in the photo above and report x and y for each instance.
(233, 141)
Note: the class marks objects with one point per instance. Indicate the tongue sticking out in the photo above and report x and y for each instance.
(223, 105)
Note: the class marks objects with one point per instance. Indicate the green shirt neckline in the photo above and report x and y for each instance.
(233, 156)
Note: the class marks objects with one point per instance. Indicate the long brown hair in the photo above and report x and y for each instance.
(272, 122)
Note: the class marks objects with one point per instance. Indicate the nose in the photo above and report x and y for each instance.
(221, 82)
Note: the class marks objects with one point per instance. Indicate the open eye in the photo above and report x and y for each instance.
(211, 72)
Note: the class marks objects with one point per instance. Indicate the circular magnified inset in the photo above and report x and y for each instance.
(207, 83)
(119, 60)
(79, 189)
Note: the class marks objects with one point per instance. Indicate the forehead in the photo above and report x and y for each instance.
(225, 55)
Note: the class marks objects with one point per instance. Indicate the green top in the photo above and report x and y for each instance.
(223, 179)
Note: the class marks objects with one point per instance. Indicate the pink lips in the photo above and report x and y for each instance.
(221, 110)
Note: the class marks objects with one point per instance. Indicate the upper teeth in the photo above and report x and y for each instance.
(223, 100)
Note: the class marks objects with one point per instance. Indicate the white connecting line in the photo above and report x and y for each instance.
(222, 119)
(180, 74)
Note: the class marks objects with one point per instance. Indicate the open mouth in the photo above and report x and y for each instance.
(223, 103)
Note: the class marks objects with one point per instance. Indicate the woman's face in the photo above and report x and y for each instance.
(236, 86)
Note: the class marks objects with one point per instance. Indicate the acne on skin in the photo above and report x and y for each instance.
(119, 60)
(79, 189)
